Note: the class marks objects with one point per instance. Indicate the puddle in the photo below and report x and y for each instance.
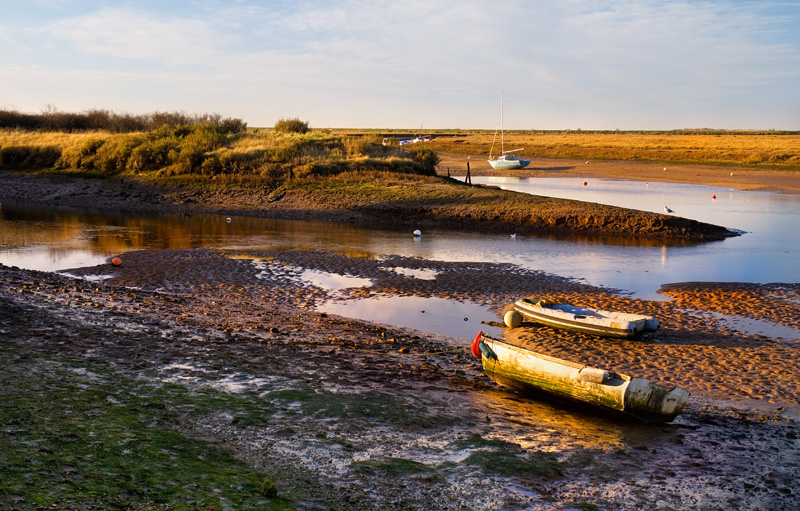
(88, 278)
(332, 281)
(430, 314)
(328, 281)
(416, 273)
(752, 326)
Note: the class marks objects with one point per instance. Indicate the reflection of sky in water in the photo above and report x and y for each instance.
(753, 326)
(333, 281)
(416, 273)
(430, 314)
(52, 240)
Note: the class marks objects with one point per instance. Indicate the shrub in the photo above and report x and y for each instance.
(29, 157)
(426, 156)
(291, 126)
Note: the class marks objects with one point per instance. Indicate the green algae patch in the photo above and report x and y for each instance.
(392, 467)
(75, 437)
(505, 463)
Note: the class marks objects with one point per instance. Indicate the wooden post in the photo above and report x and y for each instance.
(468, 179)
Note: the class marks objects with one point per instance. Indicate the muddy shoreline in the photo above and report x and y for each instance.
(366, 396)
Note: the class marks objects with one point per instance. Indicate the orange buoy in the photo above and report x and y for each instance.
(584, 183)
(116, 261)
(714, 196)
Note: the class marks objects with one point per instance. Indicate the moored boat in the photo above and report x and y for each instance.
(518, 368)
(506, 160)
(509, 161)
(620, 325)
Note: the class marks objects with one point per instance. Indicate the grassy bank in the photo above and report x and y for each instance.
(218, 165)
(209, 147)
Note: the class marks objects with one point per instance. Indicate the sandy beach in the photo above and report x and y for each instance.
(228, 321)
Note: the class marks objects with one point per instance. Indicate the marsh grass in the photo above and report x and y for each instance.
(210, 149)
(725, 148)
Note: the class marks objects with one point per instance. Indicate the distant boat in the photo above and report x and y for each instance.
(620, 325)
(518, 368)
(506, 160)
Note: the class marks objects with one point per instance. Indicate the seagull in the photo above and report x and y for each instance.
(417, 233)
(666, 209)
(514, 236)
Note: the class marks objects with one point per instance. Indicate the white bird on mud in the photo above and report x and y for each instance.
(667, 210)
(417, 233)
(514, 236)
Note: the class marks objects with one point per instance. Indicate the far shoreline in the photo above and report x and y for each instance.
(739, 178)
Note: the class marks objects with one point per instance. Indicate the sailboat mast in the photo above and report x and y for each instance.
(502, 146)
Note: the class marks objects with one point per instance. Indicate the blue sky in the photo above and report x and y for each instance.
(412, 64)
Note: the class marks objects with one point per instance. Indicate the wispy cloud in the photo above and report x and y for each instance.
(131, 34)
(591, 63)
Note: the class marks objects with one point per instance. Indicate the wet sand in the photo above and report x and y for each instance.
(205, 319)
(740, 178)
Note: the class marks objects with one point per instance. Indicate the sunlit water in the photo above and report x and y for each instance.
(36, 237)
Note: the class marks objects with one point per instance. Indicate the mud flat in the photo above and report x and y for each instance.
(354, 415)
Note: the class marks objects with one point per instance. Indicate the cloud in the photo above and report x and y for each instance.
(595, 63)
(136, 35)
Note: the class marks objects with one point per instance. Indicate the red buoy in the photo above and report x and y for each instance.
(476, 350)
(116, 261)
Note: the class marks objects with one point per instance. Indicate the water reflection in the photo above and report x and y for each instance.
(430, 314)
(53, 239)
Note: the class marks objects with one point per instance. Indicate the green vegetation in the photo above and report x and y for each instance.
(98, 120)
(92, 439)
(504, 458)
(291, 126)
(393, 467)
(198, 148)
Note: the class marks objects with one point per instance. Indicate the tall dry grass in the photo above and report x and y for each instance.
(211, 149)
(726, 149)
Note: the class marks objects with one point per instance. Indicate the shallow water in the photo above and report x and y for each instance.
(36, 237)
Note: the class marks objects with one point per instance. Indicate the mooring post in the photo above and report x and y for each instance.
(468, 179)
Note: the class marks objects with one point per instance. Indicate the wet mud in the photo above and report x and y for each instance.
(359, 415)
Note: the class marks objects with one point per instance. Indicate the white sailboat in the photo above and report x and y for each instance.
(507, 159)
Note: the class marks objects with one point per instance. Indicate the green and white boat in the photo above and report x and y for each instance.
(620, 325)
(517, 368)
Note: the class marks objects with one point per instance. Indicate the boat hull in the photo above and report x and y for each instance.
(520, 369)
(586, 320)
(515, 164)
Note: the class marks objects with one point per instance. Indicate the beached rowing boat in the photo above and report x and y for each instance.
(620, 325)
(521, 369)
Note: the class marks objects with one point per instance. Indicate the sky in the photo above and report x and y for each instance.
(432, 64)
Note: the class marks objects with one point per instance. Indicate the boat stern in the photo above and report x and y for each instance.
(654, 403)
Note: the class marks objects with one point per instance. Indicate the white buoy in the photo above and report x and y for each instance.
(512, 319)
(229, 219)
(417, 233)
